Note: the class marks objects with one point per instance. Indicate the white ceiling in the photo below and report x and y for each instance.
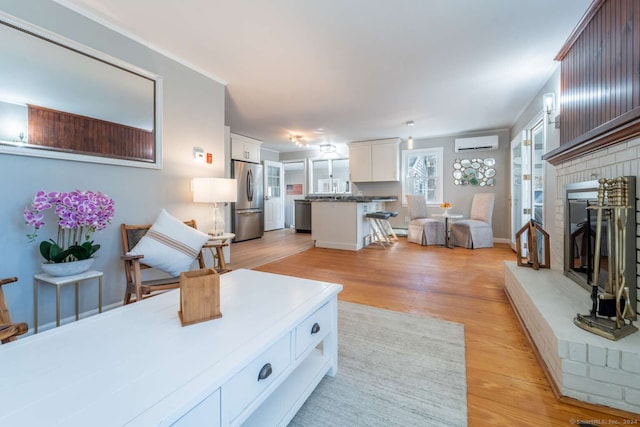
(358, 69)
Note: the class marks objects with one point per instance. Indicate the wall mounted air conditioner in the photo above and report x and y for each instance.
(477, 143)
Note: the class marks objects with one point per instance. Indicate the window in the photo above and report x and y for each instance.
(273, 180)
(422, 174)
(330, 176)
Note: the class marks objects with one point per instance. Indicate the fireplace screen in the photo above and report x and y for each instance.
(581, 240)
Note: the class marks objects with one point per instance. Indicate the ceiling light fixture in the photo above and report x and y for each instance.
(298, 140)
(410, 124)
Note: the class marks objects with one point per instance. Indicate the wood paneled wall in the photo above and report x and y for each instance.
(600, 79)
(61, 131)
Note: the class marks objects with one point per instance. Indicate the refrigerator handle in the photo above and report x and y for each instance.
(250, 185)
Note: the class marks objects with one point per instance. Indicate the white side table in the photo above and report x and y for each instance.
(447, 231)
(58, 282)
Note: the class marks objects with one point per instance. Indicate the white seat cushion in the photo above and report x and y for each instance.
(472, 234)
(426, 231)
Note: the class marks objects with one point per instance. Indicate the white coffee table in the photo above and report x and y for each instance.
(136, 365)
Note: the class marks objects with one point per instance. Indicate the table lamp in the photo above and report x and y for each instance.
(215, 190)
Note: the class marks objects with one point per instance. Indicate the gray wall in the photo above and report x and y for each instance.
(193, 116)
(270, 155)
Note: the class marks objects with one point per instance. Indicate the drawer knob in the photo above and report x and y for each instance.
(265, 372)
(315, 328)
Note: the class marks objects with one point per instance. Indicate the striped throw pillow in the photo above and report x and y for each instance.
(170, 245)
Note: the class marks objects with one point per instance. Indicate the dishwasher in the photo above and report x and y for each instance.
(303, 216)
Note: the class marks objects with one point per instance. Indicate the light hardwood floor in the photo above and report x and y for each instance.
(505, 384)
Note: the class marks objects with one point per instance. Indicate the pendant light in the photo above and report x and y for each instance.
(410, 124)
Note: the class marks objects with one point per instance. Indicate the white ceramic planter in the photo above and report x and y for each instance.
(68, 268)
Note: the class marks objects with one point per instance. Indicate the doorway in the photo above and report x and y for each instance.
(295, 173)
(527, 179)
(273, 197)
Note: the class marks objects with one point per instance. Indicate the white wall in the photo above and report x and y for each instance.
(193, 116)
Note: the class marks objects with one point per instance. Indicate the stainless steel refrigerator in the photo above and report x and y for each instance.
(247, 215)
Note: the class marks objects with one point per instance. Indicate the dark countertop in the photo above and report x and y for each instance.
(352, 199)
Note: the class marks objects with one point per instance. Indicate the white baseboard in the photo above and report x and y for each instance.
(404, 231)
(401, 231)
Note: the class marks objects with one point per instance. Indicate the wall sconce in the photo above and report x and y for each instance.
(327, 148)
(215, 190)
(549, 102)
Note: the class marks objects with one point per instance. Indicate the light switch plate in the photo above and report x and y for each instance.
(198, 154)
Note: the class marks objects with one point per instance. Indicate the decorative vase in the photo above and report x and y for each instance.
(445, 212)
(68, 268)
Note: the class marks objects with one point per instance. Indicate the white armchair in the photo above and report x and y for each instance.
(475, 232)
(423, 230)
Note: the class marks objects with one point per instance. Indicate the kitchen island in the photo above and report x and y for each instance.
(341, 222)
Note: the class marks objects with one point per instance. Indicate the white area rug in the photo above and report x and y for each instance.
(394, 369)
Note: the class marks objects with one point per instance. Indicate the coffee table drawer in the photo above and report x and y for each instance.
(205, 413)
(313, 329)
(247, 385)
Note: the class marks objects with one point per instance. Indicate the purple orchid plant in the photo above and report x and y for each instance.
(80, 213)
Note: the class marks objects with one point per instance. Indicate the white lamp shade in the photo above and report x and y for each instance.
(214, 190)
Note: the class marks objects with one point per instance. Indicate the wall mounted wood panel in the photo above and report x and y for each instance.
(61, 131)
(600, 80)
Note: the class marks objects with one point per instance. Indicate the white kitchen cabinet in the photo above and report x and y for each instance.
(360, 162)
(375, 161)
(245, 148)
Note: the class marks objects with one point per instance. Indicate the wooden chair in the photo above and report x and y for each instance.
(131, 235)
(9, 330)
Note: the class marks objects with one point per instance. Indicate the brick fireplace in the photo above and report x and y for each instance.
(581, 365)
(599, 137)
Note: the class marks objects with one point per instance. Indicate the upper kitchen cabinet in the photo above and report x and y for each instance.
(375, 161)
(245, 148)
